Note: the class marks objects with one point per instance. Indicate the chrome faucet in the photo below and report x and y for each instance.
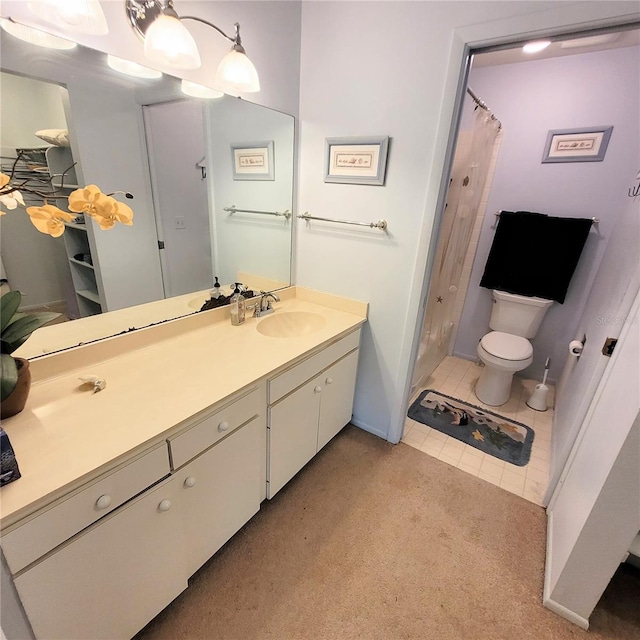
(264, 306)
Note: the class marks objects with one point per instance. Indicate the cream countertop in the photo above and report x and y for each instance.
(157, 378)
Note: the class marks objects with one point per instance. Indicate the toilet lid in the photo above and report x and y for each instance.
(506, 346)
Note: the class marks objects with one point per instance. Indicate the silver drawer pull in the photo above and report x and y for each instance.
(103, 502)
(190, 482)
(223, 426)
(317, 389)
(165, 505)
(329, 380)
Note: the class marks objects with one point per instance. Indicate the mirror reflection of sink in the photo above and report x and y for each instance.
(290, 324)
(196, 303)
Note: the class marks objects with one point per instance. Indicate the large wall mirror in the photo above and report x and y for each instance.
(212, 182)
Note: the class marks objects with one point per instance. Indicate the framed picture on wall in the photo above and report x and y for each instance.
(577, 145)
(253, 161)
(356, 160)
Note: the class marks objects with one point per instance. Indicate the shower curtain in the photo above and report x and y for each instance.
(472, 161)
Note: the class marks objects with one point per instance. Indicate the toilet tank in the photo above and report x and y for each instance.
(518, 315)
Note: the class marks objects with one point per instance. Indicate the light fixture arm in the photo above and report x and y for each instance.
(237, 42)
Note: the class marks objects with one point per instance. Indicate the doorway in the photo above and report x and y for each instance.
(522, 192)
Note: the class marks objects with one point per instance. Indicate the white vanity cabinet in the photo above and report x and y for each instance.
(111, 579)
(104, 560)
(220, 492)
(308, 405)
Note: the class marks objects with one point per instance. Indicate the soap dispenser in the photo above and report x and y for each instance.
(215, 293)
(237, 306)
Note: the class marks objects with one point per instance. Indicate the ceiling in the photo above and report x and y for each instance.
(565, 46)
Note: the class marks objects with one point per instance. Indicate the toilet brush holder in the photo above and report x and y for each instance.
(538, 399)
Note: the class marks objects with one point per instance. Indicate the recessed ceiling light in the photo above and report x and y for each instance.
(131, 68)
(196, 90)
(35, 36)
(537, 46)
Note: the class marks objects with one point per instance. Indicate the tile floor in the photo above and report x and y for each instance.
(457, 377)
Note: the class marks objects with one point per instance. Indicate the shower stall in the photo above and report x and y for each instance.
(473, 165)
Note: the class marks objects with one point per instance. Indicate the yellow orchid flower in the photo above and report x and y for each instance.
(86, 200)
(109, 211)
(10, 199)
(49, 219)
(104, 209)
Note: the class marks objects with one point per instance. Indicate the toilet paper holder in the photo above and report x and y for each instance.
(576, 347)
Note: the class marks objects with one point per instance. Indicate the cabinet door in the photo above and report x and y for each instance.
(336, 400)
(292, 434)
(220, 492)
(112, 580)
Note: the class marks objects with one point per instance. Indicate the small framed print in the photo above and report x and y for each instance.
(253, 161)
(356, 160)
(577, 145)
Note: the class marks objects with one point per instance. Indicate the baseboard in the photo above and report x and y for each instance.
(579, 621)
(369, 428)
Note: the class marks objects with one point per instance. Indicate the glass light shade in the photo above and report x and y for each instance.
(236, 73)
(130, 68)
(167, 41)
(536, 47)
(196, 90)
(35, 36)
(81, 16)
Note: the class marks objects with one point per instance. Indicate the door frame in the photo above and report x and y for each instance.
(467, 41)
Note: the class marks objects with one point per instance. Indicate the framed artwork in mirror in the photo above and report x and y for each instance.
(588, 144)
(253, 161)
(356, 160)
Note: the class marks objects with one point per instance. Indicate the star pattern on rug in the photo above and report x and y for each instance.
(477, 435)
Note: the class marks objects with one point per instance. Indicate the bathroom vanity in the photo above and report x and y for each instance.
(125, 493)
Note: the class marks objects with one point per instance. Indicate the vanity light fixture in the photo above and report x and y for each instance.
(196, 90)
(536, 47)
(167, 41)
(130, 68)
(35, 36)
(80, 16)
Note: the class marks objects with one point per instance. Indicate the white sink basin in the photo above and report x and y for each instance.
(290, 324)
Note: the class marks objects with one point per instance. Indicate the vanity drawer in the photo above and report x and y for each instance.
(299, 374)
(188, 444)
(31, 540)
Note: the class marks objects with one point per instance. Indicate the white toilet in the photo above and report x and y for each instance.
(506, 350)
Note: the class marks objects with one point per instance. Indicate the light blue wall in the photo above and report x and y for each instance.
(530, 99)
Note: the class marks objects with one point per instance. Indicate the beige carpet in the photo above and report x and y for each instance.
(377, 541)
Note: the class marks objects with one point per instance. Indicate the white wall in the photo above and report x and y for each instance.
(531, 98)
(392, 68)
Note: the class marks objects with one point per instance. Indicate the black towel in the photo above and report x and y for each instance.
(534, 254)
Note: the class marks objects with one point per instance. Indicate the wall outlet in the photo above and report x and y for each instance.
(179, 222)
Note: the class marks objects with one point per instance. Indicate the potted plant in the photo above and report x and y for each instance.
(16, 327)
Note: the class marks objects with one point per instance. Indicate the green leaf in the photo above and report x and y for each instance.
(9, 304)
(17, 332)
(9, 377)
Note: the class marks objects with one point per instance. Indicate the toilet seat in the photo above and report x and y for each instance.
(506, 346)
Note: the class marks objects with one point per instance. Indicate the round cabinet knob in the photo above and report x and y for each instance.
(190, 482)
(329, 380)
(317, 389)
(103, 502)
(165, 505)
(223, 426)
